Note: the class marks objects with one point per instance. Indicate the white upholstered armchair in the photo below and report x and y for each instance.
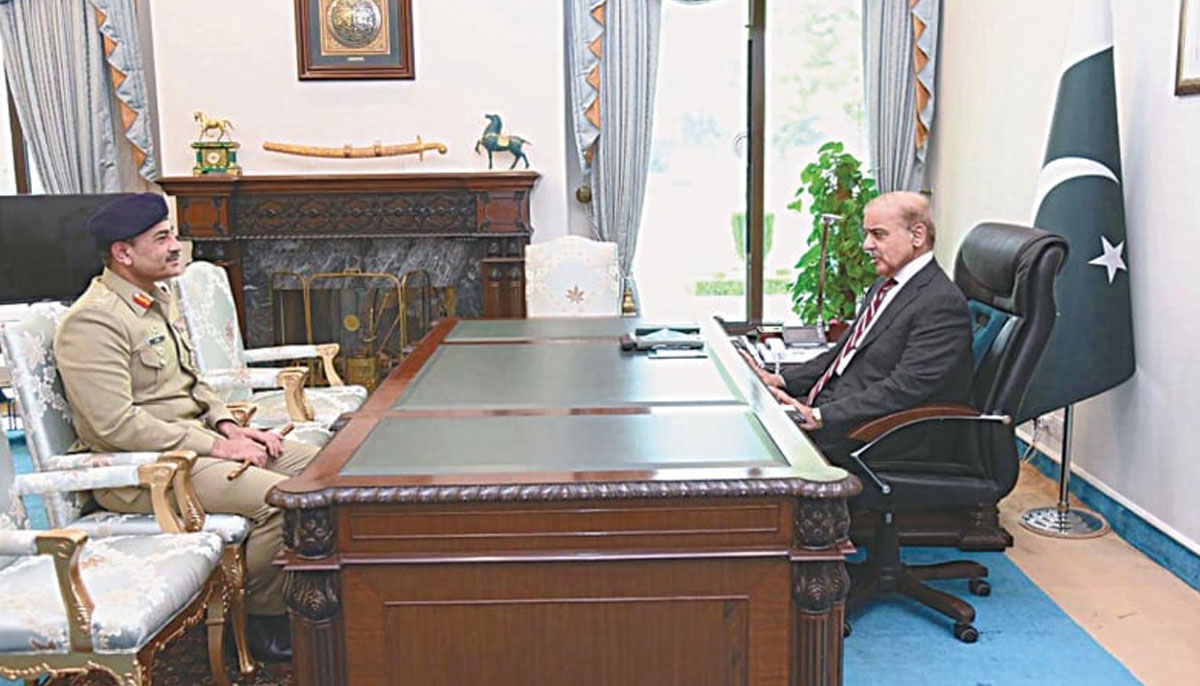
(64, 480)
(206, 302)
(572, 276)
(73, 603)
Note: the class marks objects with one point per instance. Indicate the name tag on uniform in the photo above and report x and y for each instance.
(155, 340)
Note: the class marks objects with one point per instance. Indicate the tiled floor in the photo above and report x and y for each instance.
(1142, 614)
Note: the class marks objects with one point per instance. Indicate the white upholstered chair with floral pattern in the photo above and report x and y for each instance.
(71, 605)
(572, 276)
(206, 301)
(64, 479)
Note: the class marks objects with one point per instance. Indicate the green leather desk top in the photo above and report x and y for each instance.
(681, 439)
(560, 403)
(574, 374)
(541, 328)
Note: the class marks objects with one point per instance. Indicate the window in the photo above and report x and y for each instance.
(15, 171)
(691, 258)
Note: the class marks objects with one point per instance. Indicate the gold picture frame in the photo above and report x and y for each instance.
(354, 39)
(1187, 65)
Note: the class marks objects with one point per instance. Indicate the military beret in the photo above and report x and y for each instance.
(126, 217)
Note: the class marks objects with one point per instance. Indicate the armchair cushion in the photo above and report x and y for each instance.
(137, 583)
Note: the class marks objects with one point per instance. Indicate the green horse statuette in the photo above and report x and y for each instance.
(492, 140)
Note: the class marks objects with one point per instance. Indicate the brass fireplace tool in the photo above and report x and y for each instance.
(375, 317)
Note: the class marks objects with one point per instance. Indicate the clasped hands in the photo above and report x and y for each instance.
(251, 446)
(776, 384)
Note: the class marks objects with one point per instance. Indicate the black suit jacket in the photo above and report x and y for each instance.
(918, 352)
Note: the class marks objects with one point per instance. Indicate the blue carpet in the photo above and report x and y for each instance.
(1024, 638)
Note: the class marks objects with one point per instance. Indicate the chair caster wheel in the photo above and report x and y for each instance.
(979, 587)
(846, 630)
(966, 633)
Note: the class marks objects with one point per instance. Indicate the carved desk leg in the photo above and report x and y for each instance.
(314, 599)
(819, 588)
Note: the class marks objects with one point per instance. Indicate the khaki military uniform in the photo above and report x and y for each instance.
(127, 366)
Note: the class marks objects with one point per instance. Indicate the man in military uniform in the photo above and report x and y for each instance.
(127, 367)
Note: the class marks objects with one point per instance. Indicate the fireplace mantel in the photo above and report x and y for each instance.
(229, 217)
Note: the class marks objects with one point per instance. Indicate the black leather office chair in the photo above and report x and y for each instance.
(1009, 270)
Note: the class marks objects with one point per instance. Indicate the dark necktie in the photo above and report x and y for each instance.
(854, 339)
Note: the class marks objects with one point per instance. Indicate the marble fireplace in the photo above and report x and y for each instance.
(467, 230)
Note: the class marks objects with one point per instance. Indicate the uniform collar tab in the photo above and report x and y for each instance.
(139, 301)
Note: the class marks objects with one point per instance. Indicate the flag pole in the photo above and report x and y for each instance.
(1063, 521)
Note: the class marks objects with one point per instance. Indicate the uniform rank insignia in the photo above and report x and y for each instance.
(142, 300)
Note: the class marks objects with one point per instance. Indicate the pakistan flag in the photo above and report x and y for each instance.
(1080, 197)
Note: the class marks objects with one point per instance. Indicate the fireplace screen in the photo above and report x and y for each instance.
(376, 318)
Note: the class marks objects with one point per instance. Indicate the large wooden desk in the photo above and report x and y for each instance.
(521, 503)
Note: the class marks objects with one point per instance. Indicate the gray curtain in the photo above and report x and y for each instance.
(899, 96)
(584, 42)
(119, 23)
(54, 59)
(628, 72)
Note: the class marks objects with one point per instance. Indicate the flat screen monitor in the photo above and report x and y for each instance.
(46, 252)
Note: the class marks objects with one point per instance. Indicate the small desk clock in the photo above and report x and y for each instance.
(216, 157)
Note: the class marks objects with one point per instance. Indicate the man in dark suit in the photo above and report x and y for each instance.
(909, 346)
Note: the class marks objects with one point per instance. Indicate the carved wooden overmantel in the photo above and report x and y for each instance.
(227, 218)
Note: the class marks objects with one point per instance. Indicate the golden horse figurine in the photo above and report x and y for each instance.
(221, 126)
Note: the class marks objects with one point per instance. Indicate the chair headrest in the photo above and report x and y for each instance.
(994, 260)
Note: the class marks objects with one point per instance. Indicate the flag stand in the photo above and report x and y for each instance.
(1061, 521)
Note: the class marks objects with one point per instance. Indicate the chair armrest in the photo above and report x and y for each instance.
(190, 509)
(172, 468)
(325, 351)
(89, 460)
(82, 479)
(298, 407)
(882, 426)
(244, 377)
(64, 545)
(19, 542)
(242, 412)
(876, 430)
(290, 379)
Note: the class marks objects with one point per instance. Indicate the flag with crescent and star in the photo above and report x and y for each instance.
(1080, 196)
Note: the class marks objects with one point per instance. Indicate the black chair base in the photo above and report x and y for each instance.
(885, 573)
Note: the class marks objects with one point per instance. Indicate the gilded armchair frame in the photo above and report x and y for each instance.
(133, 668)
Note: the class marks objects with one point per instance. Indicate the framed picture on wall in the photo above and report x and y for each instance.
(354, 39)
(1187, 70)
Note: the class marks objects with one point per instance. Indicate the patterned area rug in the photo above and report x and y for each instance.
(185, 663)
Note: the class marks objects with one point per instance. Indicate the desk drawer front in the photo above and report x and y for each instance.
(549, 527)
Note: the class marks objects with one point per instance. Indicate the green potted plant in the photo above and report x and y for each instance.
(838, 187)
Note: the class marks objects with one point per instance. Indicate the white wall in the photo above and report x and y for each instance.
(999, 62)
(237, 60)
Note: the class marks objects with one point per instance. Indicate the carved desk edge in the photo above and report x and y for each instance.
(732, 488)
